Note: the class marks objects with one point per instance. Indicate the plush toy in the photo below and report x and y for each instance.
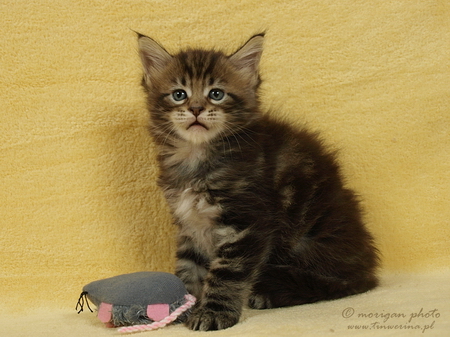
(138, 301)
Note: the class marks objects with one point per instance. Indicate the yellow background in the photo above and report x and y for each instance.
(78, 197)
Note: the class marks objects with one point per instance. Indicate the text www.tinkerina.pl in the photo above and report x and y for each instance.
(381, 326)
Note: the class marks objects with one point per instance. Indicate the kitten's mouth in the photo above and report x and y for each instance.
(197, 124)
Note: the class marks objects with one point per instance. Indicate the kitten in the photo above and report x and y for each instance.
(264, 218)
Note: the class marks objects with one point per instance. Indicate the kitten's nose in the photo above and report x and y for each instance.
(196, 110)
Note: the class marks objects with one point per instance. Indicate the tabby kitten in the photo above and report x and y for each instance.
(264, 218)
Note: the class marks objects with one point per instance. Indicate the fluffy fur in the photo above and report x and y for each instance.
(264, 218)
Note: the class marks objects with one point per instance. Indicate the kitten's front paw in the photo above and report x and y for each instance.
(205, 319)
(257, 301)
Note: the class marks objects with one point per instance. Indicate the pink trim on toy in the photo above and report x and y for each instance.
(105, 312)
(190, 301)
(157, 312)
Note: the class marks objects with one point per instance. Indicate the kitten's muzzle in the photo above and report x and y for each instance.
(196, 111)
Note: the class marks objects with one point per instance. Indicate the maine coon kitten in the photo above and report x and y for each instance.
(264, 218)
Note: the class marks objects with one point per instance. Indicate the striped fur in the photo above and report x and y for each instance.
(264, 218)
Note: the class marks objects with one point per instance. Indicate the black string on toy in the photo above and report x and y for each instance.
(81, 301)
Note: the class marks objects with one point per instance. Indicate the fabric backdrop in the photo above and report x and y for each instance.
(78, 197)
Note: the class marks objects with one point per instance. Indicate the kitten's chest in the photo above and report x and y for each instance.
(196, 213)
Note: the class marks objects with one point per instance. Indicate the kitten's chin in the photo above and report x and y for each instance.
(197, 133)
(197, 127)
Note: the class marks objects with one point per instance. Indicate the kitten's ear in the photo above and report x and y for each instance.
(246, 58)
(154, 57)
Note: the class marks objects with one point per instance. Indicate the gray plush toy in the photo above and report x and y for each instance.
(138, 301)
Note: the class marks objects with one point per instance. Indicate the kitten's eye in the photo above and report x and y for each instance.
(179, 95)
(216, 94)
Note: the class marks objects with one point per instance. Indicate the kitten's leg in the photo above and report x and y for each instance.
(280, 286)
(227, 284)
(191, 266)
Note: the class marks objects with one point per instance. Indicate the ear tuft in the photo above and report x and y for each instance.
(154, 57)
(248, 56)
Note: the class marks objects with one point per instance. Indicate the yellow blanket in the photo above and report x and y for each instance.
(78, 198)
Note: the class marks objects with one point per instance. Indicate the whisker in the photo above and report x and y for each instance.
(222, 134)
(236, 132)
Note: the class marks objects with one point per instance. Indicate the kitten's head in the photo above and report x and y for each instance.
(198, 95)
